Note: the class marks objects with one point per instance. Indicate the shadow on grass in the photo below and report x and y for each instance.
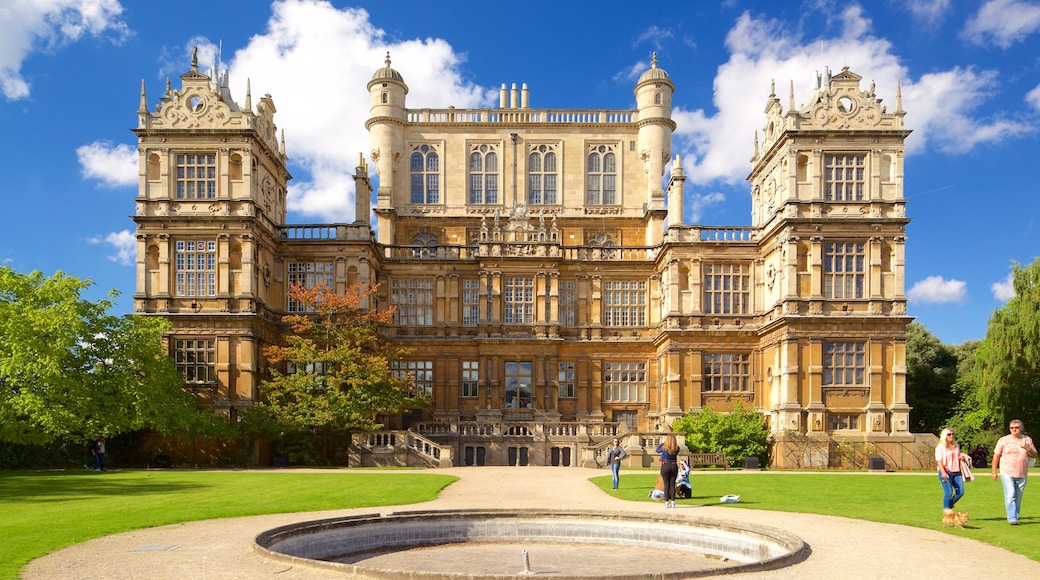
(67, 486)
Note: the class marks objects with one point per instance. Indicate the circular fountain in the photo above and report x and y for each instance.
(479, 544)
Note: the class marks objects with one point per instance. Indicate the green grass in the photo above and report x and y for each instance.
(46, 511)
(906, 499)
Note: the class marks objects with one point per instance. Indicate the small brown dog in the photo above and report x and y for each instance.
(955, 519)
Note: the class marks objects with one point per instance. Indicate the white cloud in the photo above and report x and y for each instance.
(697, 203)
(311, 49)
(1033, 98)
(113, 165)
(929, 11)
(1003, 22)
(936, 290)
(1005, 289)
(124, 243)
(940, 105)
(27, 26)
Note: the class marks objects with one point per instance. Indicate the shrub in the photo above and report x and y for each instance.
(740, 434)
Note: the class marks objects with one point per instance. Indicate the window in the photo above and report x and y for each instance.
(518, 385)
(567, 302)
(565, 380)
(727, 288)
(727, 373)
(196, 264)
(308, 275)
(425, 246)
(541, 176)
(844, 363)
(483, 175)
(470, 302)
(838, 422)
(416, 373)
(470, 378)
(196, 176)
(843, 270)
(605, 241)
(519, 300)
(196, 360)
(624, 303)
(425, 172)
(601, 176)
(413, 302)
(843, 177)
(624, 382)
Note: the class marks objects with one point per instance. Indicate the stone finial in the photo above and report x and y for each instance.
(387, 59)
(195, 59)
(249, 97)
(653, 59)
(144, 99)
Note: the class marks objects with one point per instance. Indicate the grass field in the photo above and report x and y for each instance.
(45, 511)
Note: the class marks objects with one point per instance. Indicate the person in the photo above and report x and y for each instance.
(657, 493)
(93, 447)
(615, 453)
(978, 455)
(99, 455)
(669, 450)
(1012, 454)
(948, 463)
(683, 489)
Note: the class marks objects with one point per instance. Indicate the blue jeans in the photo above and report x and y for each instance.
(615, 469)
(1013, 488)
(953, 488)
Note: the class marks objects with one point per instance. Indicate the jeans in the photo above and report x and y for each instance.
(1013, 488)
(615, 468)
(953, 488)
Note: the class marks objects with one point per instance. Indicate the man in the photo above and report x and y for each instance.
(1012, 455)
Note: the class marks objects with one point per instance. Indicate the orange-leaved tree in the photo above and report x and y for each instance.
(333, 374)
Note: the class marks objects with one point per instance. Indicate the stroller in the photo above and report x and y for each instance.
(683, 489)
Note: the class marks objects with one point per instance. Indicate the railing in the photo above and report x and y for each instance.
(424, 446)
(731, 234)
(520, 116)
(322, 232)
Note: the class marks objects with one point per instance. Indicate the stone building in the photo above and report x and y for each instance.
(543, 276)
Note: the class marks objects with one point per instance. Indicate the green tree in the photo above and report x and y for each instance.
(740, 434)
(69, 370)
(334, 372)
(1003, 382)
(931, 371)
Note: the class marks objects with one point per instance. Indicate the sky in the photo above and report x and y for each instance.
(969, 71)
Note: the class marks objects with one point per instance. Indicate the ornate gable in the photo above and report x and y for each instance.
(841, 104)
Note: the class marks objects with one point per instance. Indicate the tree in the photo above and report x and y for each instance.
(1004, 379)
(931, 371)
(334, 372)
(740, 434)
(69, 370)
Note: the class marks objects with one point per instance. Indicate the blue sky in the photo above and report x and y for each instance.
(71, 72)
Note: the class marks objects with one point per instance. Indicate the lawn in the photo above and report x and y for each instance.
(45, 511)
(910, 499)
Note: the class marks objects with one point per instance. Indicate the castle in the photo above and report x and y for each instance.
(544, 278)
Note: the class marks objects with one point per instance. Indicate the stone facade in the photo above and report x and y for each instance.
(545, 281)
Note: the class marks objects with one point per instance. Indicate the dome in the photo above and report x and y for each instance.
(387, 73)
(654, 74)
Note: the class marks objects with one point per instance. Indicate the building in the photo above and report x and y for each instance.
(542, 272)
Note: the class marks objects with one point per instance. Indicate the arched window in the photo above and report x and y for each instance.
(541, 176)
(483, 174)
(425, 245)
(601, 176)
(425, 173)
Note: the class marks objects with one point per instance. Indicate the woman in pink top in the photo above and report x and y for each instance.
(948, 462)
(1012, 455)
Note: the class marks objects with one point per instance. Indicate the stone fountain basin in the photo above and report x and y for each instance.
(697, 546)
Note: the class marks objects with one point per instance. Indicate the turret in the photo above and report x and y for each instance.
(654, 101)
(387, 115)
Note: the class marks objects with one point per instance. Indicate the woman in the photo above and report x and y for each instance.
(669, 450)
(615, 453)
(948, 462)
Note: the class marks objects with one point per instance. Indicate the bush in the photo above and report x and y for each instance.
(740, 434)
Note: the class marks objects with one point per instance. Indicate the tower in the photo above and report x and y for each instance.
(385, 124)
(655, 126)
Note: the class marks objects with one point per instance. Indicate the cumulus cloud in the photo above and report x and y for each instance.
(1005, 289)
(929, 11)
(47, 25)
(941, 106)
(113, 165)
(1033, 98)
(937, 290)
(1003, 22)
(124, 243)
(696, 204)
(312, 48)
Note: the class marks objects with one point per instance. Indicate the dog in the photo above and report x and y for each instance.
(953, 518)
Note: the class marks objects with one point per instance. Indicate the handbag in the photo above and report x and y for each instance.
(966, 468)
